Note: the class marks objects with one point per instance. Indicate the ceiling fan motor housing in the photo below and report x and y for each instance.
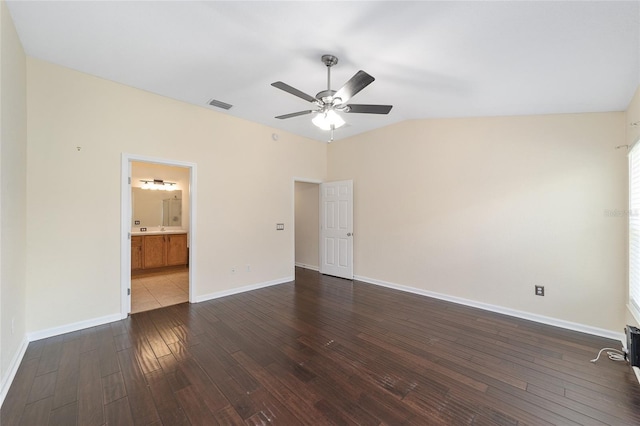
(326, 96)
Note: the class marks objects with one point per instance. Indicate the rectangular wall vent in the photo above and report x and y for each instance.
(220, 104)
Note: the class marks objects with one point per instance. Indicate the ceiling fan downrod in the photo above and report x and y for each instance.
(326, 96)
(329, 61)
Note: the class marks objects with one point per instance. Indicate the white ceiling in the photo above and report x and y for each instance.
(430, 59)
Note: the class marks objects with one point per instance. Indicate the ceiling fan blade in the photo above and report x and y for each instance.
(295, 92)
(358, 82)
(294, 114)
(369, 109)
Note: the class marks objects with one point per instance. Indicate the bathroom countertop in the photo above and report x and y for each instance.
(157, 232)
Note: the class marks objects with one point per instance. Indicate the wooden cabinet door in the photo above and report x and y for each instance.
(177, 253)
(136, 253)
(154, 251)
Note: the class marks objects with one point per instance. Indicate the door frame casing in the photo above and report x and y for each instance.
(125, 224)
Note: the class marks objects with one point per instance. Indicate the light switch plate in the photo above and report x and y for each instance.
(279, 226)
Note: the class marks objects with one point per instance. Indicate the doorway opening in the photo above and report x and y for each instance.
(323, 231)
(158, 222)
(307, 224)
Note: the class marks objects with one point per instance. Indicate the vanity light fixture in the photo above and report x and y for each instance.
(158, 184)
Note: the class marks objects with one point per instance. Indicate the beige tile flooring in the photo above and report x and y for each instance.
(158, 289)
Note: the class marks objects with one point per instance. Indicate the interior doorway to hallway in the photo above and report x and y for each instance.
(324, 227)
(307, 224)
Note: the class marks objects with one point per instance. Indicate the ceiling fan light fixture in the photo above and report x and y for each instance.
(326, 120)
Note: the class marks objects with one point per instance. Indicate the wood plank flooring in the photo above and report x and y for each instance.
(321, 351)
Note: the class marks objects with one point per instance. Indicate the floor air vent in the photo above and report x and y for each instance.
(220, 104)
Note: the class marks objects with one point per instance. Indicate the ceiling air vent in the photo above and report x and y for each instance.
(219, 104)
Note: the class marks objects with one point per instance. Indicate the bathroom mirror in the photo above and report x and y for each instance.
(156, 207)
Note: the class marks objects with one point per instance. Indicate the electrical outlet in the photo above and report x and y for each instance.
(539, 290)
(279, 226)
(143, 229)
(136, 222)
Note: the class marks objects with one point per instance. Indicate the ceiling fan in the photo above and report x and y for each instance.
(330, 102)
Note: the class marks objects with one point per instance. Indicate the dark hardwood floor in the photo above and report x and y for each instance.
(317, 351)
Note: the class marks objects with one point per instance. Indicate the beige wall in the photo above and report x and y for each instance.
(13, 146)
(307, 216)
(485, 208)
(243, 183)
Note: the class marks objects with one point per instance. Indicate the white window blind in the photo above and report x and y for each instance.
(634, 228)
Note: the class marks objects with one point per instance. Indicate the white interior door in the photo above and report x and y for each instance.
(336, 228)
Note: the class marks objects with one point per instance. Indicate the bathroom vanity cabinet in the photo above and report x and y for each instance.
(136, 253)
(158, 250)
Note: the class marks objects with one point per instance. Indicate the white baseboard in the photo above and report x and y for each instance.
(13, 369)
(231, 292)
(310, 267)
(501, 310)
(56, 331)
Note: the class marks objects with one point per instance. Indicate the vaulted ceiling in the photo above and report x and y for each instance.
(429, 59)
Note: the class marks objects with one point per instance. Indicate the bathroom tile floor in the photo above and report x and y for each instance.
(159, 289)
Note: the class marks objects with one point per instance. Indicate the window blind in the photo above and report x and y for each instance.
(634, 227)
